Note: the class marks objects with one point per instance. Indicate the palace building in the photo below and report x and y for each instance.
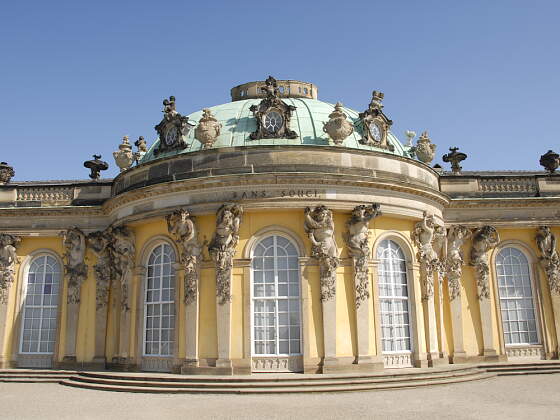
(279, 233)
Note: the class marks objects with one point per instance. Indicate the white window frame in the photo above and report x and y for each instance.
(160, 302)
(253, 298)
(24, 305)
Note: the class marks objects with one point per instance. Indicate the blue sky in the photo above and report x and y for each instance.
(77, 76)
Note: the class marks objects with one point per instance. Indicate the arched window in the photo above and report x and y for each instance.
(40, 307)
(276, 298)
(159, 302)
(516, 297)
(393, 298)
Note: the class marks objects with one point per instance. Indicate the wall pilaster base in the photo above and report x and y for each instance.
(67, 363)
(459, 357)
(122, 364)
(490, 355)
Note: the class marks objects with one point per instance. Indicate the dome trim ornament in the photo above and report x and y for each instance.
(338, 127)
(172, 128)
(272, 114)
(375, 124)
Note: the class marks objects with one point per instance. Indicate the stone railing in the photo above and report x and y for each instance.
(509, 184)
(46, 193)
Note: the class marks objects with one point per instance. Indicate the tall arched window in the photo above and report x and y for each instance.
(516, 297)
(40, 307)
(276, 298)
(393, 298)
(159, 303)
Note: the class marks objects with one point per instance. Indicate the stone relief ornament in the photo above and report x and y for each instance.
(457, 236)
(208, 129)
(375, 124)
(182, 227)
(455, 158)
(172, 128)
(484, 239)
(338, 127)
(550, 161)
(546, 242)
(423, 237)
(319, 226)
(8, 260)
(123, 252)
(100, 244)
(425, 150)
(272, 114)
(357, 240)
(6, 173)
(222, 247)
(142, 149)
(75, 268)
(124, 156)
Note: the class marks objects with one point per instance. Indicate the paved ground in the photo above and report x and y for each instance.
(518, 397)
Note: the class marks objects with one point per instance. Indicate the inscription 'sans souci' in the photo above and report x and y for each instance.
(255, 194)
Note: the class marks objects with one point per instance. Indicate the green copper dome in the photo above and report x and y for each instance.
(307, 121)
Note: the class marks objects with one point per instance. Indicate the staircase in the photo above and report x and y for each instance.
(523, 368)
(35, 375)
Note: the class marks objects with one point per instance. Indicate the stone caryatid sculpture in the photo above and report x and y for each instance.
(423, 237)
(546, 242)
(357, 240)
(222, 247)
(100, 243)
(75, 268)
(483, 239)
(425, 150)
(123, 252)
(181, 225)
(208, 129)
(338, 127)
(124, 158)
(454, 261)
(319, 226)
(8, 260)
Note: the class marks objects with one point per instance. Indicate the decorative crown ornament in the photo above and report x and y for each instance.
(142, 149)
(172, 128)
(425, 150)
(375, 124)
(454, 157)
(338, 127)
(96, 166)
(6, 173)
(208, 129)
(124, 156)
(550, 161)
(272, 115)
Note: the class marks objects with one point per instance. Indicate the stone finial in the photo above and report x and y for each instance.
(338, 127)
(142, 149)
(208, 129)
(169, 107)
(96, 165)
(550, 161)
(376, 100)
(454, 157)
(410, 136)
(124, 156)
(6, 173)
(425, 150)
(270, 88)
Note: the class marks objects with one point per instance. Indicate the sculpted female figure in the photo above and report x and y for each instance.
(319, 226)
(74, 242)
(457, 236)
(550, 261)
(123, 252)
(8, 260)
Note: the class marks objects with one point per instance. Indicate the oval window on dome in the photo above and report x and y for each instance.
(273, 121)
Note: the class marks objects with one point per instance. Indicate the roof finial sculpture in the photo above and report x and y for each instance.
(6, 173)
(338, 127)
(550, 161)
(410, 136)
(172, 128)
(96, 166)
(124, 156)
(375, 124)
(142, 149)
(208, 129)
(454, 157)
(425, 150)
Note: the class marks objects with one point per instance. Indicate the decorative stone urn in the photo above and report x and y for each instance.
(124, 156)
(208, 129)
(338, 127)
(550, 161)
(425, 150)
(6, 173)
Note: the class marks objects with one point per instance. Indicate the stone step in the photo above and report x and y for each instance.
(525, 372)
(213, 384)
(312, 387)
(54, 380)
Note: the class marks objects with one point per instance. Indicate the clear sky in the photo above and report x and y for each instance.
(76, 76)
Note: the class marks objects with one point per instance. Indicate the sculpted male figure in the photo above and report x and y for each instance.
(74, 242)
(8, 260)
